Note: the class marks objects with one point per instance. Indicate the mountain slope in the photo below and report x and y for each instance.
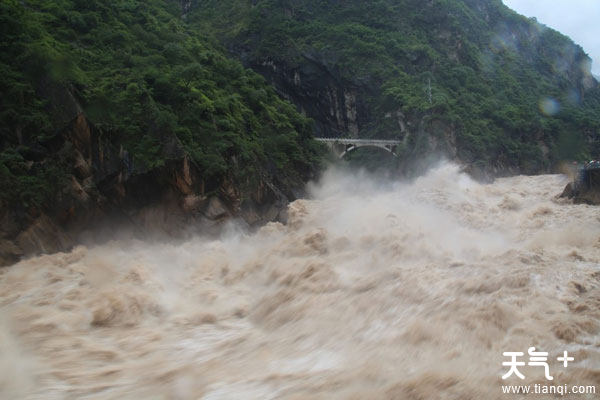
(467, 78)
(111, 107)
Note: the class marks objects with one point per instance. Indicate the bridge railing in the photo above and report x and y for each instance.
(358, 141)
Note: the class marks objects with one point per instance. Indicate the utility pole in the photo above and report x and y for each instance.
(429, 89)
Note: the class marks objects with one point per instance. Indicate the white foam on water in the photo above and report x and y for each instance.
(372, 290)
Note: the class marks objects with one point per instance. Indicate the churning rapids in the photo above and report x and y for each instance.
(371, 291)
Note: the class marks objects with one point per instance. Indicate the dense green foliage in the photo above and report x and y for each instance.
(157, 83)
(488, 69)
(147, 80)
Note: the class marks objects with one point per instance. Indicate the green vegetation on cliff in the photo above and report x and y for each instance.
(149, 82)
(508, 92)
(469, 78)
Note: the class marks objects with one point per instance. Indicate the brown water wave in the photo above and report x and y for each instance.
(372, 290)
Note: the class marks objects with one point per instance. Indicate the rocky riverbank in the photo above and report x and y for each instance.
(104, 192)
(585, 188)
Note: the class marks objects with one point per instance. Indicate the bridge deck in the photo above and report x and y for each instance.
(358, 141)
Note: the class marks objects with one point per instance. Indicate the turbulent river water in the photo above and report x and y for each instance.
(371, 291)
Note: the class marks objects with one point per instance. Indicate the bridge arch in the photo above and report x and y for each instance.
(342, 146)
(389, 149)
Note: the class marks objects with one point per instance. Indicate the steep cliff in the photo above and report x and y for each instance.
(469, 79)
(120, 115)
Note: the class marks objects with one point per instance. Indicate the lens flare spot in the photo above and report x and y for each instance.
(549, 106)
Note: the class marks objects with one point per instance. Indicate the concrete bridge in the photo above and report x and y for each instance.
(342, 146)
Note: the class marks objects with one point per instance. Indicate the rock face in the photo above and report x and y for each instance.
(589, 197)
(344, 108)
(106, 191)
(586, 190)
(319, 91)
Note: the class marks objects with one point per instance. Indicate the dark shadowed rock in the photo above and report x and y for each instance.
(9, 252)
(586, 188)
(215, 209)
(44, 236)
(568, 191)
